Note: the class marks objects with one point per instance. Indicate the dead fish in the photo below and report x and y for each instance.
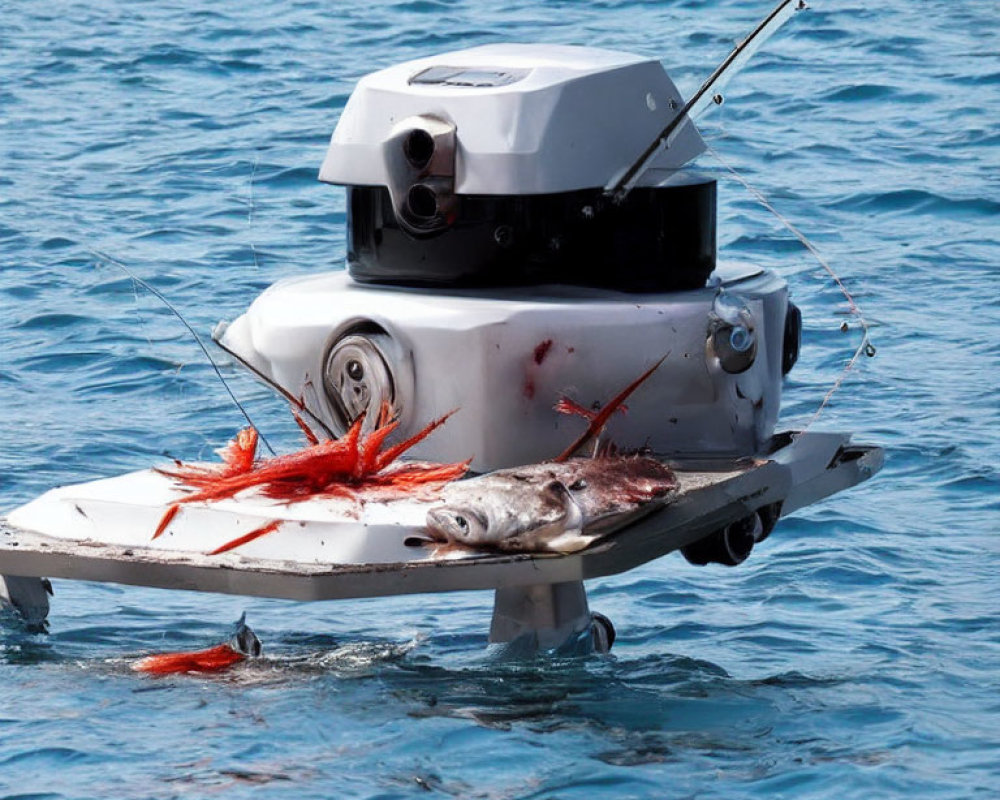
(550, 507)
(502, 512)
(241, 644)
(615, 490)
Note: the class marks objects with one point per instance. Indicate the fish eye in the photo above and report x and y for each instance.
(461, 522)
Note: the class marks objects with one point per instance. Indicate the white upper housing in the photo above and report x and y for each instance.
(529, 119)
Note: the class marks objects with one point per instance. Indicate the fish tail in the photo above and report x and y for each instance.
(240, 453)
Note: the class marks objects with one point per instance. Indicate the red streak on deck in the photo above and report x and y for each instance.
(256, 533)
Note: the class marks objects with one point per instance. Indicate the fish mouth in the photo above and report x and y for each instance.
(420, 540)
(435, 531)
(442, 526)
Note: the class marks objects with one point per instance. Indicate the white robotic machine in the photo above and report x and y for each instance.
(523, 224)
(489, 271)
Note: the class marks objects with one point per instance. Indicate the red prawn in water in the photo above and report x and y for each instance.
(214, 659)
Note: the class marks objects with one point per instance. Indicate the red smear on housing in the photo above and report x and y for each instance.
(542, 350)
(215, 659)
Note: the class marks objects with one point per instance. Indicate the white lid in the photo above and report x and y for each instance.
(529, 119)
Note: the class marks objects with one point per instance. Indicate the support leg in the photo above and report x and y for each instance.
(29, 597)
(548, 617)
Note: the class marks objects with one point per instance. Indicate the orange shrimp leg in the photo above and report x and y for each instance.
(602, 417)
(388, 456)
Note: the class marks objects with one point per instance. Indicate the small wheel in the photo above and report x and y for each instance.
(769, 516)
(603, 632)
(729, 545)
(28, 597)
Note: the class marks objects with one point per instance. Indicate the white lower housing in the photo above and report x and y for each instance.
(503, 357)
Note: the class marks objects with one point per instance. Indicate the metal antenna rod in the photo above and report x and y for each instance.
(706, 95)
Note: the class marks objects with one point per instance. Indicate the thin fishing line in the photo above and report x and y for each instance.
(866, 345)
(138, 313)
(153, 290)
(253, 173)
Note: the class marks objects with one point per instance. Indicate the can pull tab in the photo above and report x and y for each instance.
(420, 161)
(358, 379)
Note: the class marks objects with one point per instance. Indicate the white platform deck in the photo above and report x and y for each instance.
(326, 549)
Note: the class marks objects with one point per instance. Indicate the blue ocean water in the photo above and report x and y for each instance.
(855, 655)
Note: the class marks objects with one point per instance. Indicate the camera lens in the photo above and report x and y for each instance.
(418, 147)
(422, 201)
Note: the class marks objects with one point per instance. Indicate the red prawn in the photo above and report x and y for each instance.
(336, 467)
(237, 458)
